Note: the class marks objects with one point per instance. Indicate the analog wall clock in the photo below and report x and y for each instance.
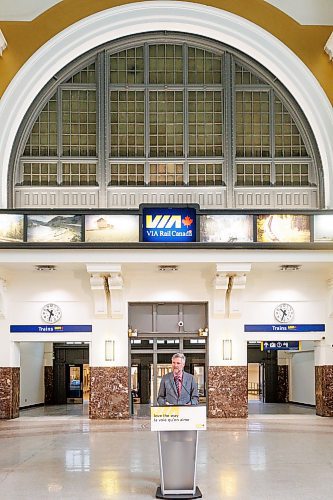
(284, 313)
(51, 313)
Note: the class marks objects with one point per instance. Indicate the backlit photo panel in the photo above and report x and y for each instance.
(226, 228)
(284, 228)
(111, 228)
(54, 228)
(11, 228)
(323, 228)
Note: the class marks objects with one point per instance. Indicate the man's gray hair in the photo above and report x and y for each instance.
(179, 355)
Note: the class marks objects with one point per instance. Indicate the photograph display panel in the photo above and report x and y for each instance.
(54, 228)
(11, 228)
(111, 228)
(286, 228)
(323, 228)
(226, 228)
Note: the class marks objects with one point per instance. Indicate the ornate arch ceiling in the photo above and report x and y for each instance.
(312, 12)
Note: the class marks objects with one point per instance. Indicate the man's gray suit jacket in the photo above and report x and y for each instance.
(168, 391)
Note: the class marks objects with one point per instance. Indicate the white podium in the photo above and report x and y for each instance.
(177, 428)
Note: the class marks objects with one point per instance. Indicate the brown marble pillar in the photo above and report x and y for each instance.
(324, 390)
(283, 384)
(109, 392)
(227, 391)
(48, 385)
(9, 392)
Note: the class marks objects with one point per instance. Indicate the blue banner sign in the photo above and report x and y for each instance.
(169, 224)
(285, 328)
(49, 328)
(279, 345)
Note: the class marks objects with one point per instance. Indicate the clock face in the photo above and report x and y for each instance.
(284, 313)
(51, 313)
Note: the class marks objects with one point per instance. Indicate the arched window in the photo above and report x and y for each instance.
(154, 118)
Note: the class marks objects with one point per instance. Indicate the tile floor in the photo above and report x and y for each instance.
(63, 455)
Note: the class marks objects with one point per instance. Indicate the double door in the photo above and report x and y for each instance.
(151, 359)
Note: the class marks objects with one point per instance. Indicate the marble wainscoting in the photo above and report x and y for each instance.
(48, 384)
(9, 392)
(109, 392)
(324, 390)
(283, 384)
(227, 392)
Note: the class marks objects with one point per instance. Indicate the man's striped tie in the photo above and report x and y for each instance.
(178, 385)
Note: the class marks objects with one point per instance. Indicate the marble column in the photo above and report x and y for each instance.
(227, 392)
(9, 392)
(109, 392)
(324, 390)
(48, 384)
(283, 384)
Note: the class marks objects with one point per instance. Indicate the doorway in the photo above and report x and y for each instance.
(71, 380)
(161, 330)
(151, 359)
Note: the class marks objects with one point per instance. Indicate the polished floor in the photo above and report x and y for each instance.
(59, 453)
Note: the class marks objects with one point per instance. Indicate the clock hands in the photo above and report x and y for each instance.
(51, 313)
(284, 313)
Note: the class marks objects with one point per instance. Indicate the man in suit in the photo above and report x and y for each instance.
(178, 387)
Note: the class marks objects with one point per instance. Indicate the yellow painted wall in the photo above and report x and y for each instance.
(308, 42)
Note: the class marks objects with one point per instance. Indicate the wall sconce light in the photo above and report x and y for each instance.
(227, 350)
(132, 333)
(329, 47)
(3, 43)
(109, 350)
(203, 332)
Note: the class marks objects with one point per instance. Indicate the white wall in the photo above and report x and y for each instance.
(302, 378)
(32, 373)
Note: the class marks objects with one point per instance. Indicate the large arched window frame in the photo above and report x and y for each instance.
(135, 149)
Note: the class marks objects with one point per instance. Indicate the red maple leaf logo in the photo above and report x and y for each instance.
(187, 221)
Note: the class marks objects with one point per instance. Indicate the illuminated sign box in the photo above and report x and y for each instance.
(169, 224)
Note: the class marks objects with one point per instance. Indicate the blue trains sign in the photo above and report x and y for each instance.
(169, 225)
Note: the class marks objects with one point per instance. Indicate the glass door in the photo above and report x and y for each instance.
(151, 359)
(74, 383)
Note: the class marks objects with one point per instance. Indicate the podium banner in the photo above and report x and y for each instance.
(178, 418)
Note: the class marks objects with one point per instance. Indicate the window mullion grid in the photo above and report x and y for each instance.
(59, 138)
(272, 134)
(146, 114)
(229, 115)
(103, 124)
(185, 120)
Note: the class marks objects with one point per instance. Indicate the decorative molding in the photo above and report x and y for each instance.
(3, 43)
(329, 47)
(188, 17)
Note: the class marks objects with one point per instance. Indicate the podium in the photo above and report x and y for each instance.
(177, 431)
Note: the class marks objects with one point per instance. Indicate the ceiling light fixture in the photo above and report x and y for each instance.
(168, 268)
(46, 267)
(290, 267)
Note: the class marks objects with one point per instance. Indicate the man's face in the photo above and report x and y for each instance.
(177, 365)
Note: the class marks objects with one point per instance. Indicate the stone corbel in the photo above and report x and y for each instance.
(229, 283)
(220, 287)
(98, 287)
(330, 297)
(116, 286)
(3, 298)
